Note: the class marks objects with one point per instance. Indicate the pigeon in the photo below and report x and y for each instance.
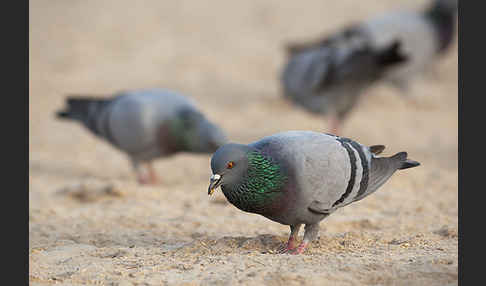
(300, 177)
(328, 76)
(146, 124)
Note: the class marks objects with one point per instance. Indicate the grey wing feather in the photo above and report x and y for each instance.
(322, 63)
(381, 169)
(377, 149)
(311, 156)
(320, 208)
(354, 166)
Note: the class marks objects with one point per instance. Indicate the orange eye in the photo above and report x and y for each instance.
(230, 165)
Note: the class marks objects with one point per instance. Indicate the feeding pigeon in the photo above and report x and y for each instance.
(146, 124)
(301, 177)
(328, 76)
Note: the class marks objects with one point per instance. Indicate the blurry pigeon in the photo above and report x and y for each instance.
(301, 177)
(146, 124)
(327, 76)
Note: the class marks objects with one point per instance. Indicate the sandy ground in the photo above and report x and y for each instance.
(90, 223)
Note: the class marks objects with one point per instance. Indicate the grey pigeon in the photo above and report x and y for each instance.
(146, 124)
(328, 76)
(301, 177)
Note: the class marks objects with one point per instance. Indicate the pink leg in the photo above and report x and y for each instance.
(310, 234)
(300, 248)
(291, 244)
(142, 177)
(413, 101)
(153, 179)
(334, 124)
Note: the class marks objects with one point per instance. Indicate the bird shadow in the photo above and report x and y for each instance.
(263, 243)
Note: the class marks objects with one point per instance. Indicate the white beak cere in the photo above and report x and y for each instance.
(215, 177)
(214, 182)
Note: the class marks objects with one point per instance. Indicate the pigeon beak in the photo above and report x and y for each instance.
(214, 182)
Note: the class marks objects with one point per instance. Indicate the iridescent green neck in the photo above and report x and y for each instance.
(263, 182)
(178, 134)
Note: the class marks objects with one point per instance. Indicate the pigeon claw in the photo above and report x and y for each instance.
(294, 251)
(284, 249)
(288, 247)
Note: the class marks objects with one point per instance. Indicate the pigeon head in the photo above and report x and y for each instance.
(250, 180)
(443, 15)
(442, 8)
(195, 133)
(449, 5)
(229, 165)
(216, 137)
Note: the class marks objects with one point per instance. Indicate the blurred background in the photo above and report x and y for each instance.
(227, 56)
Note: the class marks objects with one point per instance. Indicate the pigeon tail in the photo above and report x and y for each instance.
(382, 168)
(409, 164)
(78, 106)
(86, 109)
(62, 114)
(404, 163)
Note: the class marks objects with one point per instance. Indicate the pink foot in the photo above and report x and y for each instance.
(289, 246)
(143, 180)
(148, 179)
(153, 179)
(299, 249)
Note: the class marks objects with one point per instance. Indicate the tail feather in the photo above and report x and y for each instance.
(409, 164)
(81, 107)
(382, 168)
(62, 114)
(377, 149)
(363, 65)
(86, 109)
(402, 161)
